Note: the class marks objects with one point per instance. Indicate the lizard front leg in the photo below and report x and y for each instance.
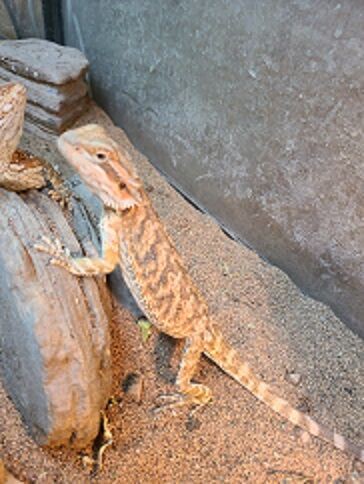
(86, 266)
(189, 393)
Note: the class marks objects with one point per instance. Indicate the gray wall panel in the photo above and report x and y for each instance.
(21, 19)
(253, 109)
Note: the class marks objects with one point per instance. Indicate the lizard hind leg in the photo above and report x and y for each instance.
(193, 392)
(188, 392)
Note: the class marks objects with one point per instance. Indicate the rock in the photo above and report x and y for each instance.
(54, 78)
(40, 131)
(54, 337)
(56, 122)
(122, 294)
(293, 378)
(52, 98)
(132, 386)
(42, 60)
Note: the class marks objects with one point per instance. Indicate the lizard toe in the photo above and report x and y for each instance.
(198, 394)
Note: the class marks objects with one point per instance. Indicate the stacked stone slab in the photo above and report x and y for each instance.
(54, 77)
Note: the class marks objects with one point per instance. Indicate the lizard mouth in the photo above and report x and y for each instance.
(118, 205)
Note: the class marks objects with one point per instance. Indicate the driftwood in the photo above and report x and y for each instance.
(54, 337)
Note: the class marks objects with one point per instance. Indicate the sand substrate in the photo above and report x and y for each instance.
(276, 328)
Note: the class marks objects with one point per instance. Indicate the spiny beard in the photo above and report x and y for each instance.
(119, 205)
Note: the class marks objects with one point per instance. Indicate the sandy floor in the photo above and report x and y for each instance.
(235, 439)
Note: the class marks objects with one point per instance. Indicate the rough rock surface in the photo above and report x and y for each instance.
(42, 60)
(56, 122)
(54, 78)
(53, 98)
(55, 354)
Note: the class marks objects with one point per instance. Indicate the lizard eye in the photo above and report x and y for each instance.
(100, 156)
(122, 185)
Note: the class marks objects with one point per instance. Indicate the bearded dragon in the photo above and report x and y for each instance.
(134, 237)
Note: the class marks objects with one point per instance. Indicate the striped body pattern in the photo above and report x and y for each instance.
(18, 171)
(134, 237)
(155, 274)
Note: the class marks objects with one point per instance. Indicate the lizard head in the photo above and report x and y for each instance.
(12, 107)
(105, 169)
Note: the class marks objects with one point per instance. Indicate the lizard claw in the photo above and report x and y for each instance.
(60, 255)
(61, 196)
(169, 401)
(196, 394)
(169, 398)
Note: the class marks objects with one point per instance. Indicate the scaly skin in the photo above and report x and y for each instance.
(134, 237)
(18, 171)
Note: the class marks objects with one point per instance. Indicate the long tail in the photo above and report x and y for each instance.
(228, 359)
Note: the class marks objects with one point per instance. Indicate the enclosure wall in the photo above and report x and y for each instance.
(254, 109)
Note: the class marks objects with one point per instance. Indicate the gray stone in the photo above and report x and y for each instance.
(39, 131)
(54, 337)
(133, 386)
(56, 122)
(42, 60)
(122, 294)
(50, 97)
(294, 378)
(255, 111)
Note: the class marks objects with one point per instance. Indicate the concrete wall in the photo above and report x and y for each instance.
(254, 109)
(21, 18)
